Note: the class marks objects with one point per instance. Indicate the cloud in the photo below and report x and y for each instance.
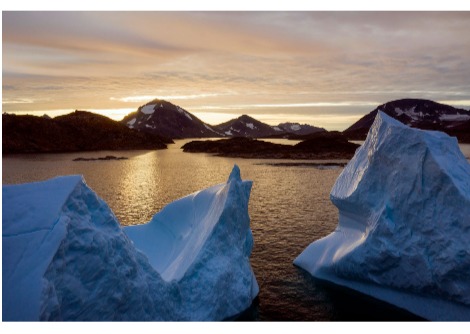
(17, 101)
(147, 98)
(290, 105)
(260, 60)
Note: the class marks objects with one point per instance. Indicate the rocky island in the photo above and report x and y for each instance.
(322, 145)
(106, 158)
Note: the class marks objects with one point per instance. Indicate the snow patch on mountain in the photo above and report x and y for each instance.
(454, 117)
(148, 109)
(410, 113)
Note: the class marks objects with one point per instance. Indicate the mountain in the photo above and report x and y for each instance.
(418, 113)
(245, 126)
(297, 128)
(77, 131)
(168, 120)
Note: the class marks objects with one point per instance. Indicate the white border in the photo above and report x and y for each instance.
(210, 5)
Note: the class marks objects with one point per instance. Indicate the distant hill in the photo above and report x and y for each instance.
(77, 131)
(245, 126)
(418, 113)
(166, 119)
(169, 120)
(297, 128)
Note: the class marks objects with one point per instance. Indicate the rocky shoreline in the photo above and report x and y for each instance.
(321, 147)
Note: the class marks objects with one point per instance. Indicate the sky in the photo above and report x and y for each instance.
(322, 68)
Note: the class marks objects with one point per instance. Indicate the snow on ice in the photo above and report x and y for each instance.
(404, 223)
(65, 256)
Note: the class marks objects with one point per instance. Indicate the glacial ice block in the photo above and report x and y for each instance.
(65, 256)
(404, 223)
(203, 242)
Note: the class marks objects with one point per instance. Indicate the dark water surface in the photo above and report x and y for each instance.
(289, 208)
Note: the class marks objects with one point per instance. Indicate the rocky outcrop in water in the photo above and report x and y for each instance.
(323, 146)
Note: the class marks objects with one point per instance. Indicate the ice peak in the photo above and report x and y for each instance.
(404, 209)
(43, 210)
(382, 117)
(190, 262)
(235, 174)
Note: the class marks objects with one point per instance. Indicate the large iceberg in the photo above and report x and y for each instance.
(203, 243)
(404, 223)
(65, 256)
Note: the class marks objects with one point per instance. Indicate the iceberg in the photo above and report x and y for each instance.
(404, 223)
(65, 256)
(203, 243)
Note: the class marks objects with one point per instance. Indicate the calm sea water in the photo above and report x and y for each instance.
(289, 208)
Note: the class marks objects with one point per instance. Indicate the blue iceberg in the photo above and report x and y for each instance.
(404, 223)
(65, 256)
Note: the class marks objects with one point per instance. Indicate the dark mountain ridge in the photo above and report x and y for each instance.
(245, 126)
(168, 120)
(77, 131)
(417, 113)
(298, 129)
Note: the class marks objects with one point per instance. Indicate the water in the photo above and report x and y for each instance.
(289, 208)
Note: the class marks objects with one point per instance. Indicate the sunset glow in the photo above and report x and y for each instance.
(324, 68)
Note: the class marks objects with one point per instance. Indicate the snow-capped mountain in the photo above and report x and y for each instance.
(168, 120)
(417, 113)
(297, 128)
(245, 126)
